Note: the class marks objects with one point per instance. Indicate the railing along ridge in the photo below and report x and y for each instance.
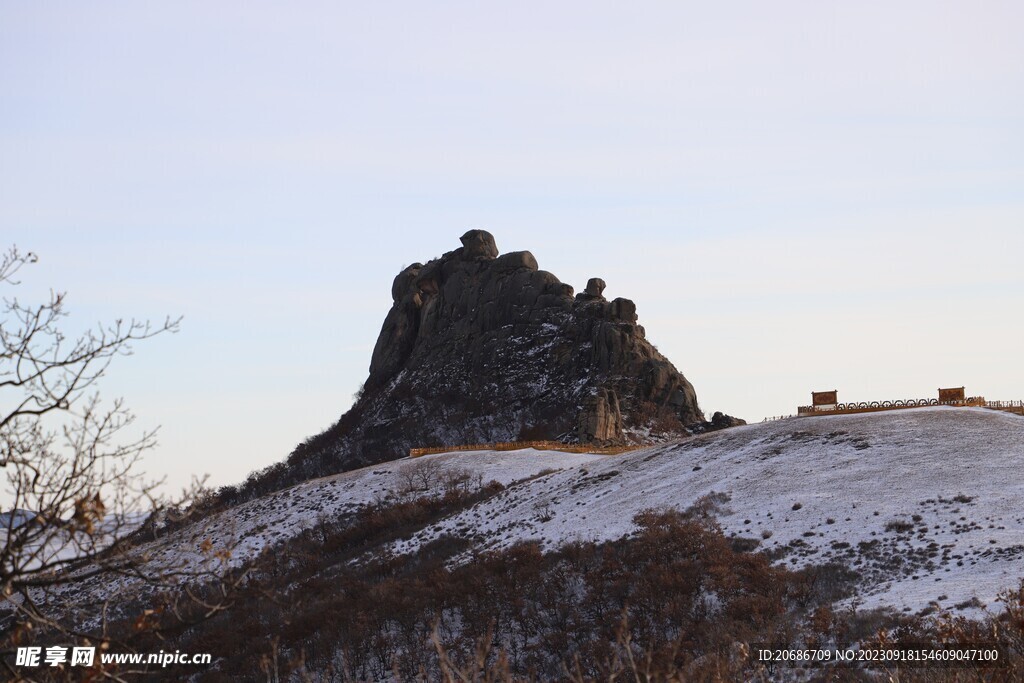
(1004, 404)
(853, 406)
(874, 406)
(518, 445)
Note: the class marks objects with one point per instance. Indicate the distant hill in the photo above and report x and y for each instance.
(15, 519)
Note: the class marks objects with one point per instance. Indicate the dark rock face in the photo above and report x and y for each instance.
(481, 348)
(600, 419)
(719, 421)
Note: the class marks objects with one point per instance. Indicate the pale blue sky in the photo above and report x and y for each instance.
(797, 195)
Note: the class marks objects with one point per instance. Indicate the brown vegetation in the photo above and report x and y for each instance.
(676, 596)
(675, 601)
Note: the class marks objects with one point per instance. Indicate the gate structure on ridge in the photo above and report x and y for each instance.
(827, 403)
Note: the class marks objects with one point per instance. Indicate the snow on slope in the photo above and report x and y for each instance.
(925, 503)
(248, 529)
(251, 528)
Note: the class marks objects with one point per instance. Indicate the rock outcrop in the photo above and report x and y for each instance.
(720, 421)
(480, 347)
(600, 419)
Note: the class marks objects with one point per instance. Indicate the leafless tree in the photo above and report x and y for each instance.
(421, 476)
(456, 479)
(73, 486)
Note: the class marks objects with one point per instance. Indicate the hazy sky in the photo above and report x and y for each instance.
(797, 195)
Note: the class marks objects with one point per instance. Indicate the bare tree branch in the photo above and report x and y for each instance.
(75, 493)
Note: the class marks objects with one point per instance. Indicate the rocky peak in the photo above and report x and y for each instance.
(481, 347)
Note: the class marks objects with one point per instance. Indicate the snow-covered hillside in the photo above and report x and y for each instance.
(924, 503)
(248, 529)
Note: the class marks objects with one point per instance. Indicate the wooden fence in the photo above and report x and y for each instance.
(873, 406)
(1015, 407)
(518, 445)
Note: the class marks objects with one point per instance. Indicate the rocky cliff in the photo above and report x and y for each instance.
(480, 347)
